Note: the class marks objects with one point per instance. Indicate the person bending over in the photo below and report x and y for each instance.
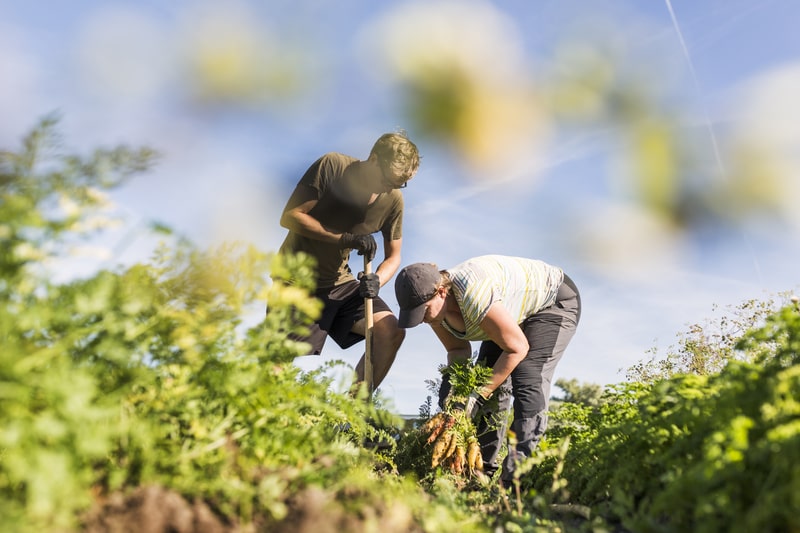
(524, 312)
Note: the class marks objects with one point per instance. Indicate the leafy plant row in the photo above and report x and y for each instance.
(714, 452)
(146, 380)
(146, 376)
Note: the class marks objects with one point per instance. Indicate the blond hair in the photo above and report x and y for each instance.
(395, 151)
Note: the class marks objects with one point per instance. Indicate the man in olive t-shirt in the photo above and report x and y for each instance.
(336, 207)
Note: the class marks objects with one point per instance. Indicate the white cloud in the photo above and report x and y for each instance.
(125, 56)
(22, 73)
(769, 122)
(416, 38)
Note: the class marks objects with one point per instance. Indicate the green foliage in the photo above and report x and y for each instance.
(711, 452)
(150, 375)
(57, 421)
(706, 348)
(414, 453)
(465, 378)
(580, 393)
(154, 375)
(47, 196)
(569, 415)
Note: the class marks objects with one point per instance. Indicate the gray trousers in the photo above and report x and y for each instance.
(548, 333)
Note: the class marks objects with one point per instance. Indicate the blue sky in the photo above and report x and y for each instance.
(335, 76)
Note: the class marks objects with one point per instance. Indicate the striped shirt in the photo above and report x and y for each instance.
(525, 286)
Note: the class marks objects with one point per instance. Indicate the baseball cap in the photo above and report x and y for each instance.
(414, 286)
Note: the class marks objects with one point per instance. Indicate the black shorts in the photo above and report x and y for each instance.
(343, 307)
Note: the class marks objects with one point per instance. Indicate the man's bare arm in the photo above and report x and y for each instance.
(391, 261)
(297, 218)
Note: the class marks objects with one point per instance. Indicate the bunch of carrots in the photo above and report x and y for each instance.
(447, 442)
(450, 447)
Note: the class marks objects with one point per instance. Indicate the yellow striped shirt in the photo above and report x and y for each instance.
(525, 286)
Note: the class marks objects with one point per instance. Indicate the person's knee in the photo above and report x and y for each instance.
(395, 335)
(386, 327)
(529, 405)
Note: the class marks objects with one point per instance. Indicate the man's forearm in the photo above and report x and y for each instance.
(310, 227)
(387, 269)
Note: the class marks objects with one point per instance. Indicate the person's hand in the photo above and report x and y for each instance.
(369, 286)
(475, 402)
(444, 391)
(365, 244)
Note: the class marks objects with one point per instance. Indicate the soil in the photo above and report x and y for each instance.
(153, 510)
(313, 510)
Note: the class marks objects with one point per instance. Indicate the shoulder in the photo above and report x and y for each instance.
(336, 160)
(476, 266)
(327, 169)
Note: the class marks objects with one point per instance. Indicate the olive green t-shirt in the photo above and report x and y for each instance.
(341, 207)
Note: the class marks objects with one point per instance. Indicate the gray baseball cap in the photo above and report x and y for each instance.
(414, 286)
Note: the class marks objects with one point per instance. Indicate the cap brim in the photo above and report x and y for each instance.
(411, 317)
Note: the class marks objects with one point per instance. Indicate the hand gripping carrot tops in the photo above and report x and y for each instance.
(523, 311)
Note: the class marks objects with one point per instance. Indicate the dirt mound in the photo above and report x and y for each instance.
(312, 510)
(315, 510)
(153, 510)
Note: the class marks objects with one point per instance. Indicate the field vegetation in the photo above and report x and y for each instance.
(139, 395)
